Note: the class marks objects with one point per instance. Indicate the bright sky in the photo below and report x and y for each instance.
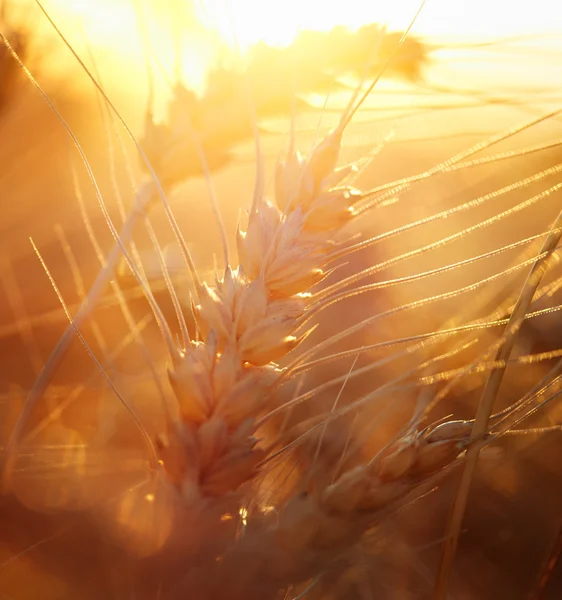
(278, 21)
(112, 26)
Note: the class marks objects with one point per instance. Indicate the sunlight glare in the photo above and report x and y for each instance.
(186, 38)
(278, 23)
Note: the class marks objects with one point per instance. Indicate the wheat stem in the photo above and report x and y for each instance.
(486, 406)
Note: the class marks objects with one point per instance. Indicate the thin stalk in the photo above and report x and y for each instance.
(485, 409)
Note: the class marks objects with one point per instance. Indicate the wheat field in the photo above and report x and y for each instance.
(279, 319)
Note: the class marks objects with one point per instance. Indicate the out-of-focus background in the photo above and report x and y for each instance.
(469, 70)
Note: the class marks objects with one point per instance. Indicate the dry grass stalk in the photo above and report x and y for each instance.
(489, 396)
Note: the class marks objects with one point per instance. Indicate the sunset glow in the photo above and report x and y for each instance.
(184, 38)
(278, 23)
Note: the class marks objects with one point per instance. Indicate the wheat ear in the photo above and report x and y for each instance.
(311, 531)
(252, 317)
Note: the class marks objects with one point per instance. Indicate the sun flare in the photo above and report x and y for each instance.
(184, 38)
(278, 23)
(246, 22)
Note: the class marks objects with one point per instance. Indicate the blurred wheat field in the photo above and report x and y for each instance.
(64, 532)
